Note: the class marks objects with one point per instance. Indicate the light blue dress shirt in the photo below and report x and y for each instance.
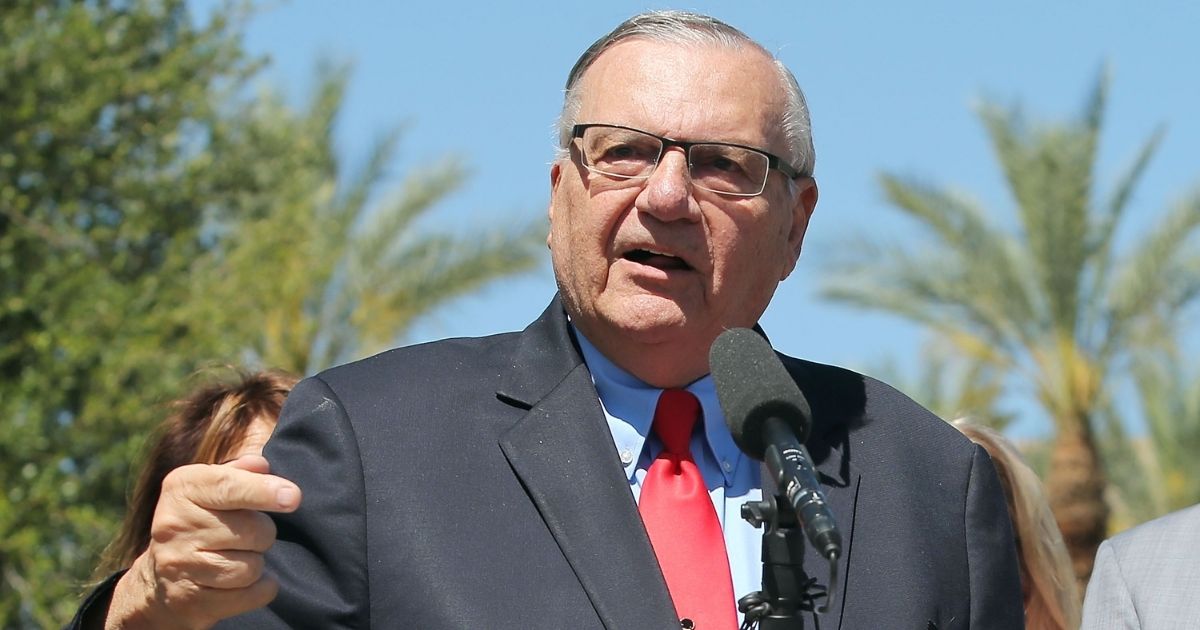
(732, 477)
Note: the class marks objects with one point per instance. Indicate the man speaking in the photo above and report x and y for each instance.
(579, 474)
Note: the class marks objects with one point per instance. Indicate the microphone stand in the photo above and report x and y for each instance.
(787, 592)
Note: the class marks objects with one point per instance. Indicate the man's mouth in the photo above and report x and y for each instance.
(657, 260)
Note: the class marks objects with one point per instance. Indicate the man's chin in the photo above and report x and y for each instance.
(649, 315)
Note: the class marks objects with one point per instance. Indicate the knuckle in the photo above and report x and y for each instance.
(167, 524)
(180, 480)
(235, 569)
(170, 563)
(225, 488)
(247, 570)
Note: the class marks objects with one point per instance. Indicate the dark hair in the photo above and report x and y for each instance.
(204, 427)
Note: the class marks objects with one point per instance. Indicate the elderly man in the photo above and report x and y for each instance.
(532, 480)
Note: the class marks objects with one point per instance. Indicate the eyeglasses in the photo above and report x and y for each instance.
(720, 167)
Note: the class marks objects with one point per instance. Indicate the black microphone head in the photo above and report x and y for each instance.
(753, 385)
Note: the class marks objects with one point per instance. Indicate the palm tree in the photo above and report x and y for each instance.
(314, 272)
(1052, 302)
(1169, 393)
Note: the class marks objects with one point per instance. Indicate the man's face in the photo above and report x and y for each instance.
(658, 263)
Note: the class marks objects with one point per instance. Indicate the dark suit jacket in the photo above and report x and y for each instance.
(473, 483)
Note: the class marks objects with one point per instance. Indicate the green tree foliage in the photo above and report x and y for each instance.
(1052, 302)
(102, 110)
(328, 275)
(1170, 397)
(155, 220)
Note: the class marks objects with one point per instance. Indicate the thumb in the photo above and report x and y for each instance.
(252, 463)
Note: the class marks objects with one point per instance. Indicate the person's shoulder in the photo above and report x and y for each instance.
(880, 423)
(1173, 530)
(423, 361)
(458, 357)
(844, 392)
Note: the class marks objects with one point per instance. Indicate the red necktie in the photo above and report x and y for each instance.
(681, 522)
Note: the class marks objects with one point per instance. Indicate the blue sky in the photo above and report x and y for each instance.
(891, 87)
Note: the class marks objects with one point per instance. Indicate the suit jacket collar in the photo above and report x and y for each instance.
(563, 453)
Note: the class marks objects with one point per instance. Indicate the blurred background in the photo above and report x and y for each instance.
(1007, 225)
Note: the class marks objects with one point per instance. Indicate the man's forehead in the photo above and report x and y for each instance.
(682, 89)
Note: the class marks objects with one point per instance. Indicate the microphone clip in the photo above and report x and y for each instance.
(788, 591)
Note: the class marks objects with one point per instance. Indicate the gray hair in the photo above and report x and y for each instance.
(682, 27)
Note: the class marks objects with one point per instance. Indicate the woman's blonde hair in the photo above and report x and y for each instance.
(1052, 599)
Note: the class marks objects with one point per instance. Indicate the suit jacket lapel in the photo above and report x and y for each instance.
(563, 453)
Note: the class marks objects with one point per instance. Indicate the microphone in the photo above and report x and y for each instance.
(770, 419)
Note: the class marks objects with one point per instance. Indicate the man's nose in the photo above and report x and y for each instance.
(668, 192)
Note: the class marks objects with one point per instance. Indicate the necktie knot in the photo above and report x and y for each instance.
(674, 418)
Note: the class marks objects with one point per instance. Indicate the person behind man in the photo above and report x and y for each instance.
(1148, 578)
(540, 479)
(1047, 579)
(161, 543)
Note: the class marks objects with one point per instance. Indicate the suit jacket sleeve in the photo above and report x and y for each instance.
(95, 606)
(1108, 604)
(991, 552)
(319, 556)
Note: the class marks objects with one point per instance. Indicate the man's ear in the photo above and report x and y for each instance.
(555, 179)
(556, 173)
(802, 210)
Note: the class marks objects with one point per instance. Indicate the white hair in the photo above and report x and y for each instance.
(682, 27)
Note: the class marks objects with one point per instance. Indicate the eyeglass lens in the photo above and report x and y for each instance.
(629, 154)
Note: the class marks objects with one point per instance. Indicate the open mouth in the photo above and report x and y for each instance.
(656, 260)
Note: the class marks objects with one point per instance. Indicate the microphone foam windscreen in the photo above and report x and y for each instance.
(753, 385)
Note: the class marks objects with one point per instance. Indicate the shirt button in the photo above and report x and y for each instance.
(727, 466)
(626, 457)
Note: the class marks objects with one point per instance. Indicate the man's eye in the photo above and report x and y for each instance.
(621, 152)
(629, 152)
(725, 164)
(720, 164)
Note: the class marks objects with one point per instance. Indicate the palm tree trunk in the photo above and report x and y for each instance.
(1075, 486)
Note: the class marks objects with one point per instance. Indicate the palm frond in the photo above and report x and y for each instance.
(437, 268)
(325, 103)
(1170, 398)
(1100, 240)
(1159, 276)
(969, 268)
(354, 193)
(392, 226)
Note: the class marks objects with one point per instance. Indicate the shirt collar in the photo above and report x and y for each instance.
(629, 405)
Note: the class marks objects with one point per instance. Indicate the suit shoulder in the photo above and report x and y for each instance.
(873, 412)
(844, 392)
(1176, 530)
(431, 361)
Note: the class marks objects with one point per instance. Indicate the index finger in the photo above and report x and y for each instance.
(223, 487)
